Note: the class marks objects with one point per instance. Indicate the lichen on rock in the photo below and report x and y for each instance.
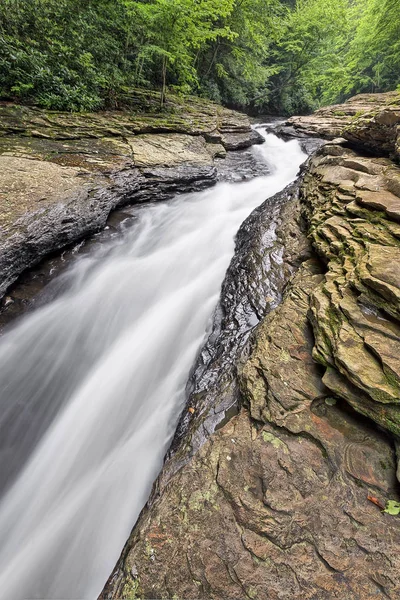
(62, 174)
(355, 310)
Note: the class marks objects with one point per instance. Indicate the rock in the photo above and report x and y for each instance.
(169, 150)
(333, 121)
(61, 174)
(45, 206)
(377, 131)
(275, 504)
(269, 234)
(240, 166)
(355, 310)
(232, 141)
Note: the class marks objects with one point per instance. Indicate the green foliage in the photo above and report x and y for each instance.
(333, 49)
(392, 508)
(62, 54)
(171, 33)
(373, 57)
(280, 56)
(238, 65)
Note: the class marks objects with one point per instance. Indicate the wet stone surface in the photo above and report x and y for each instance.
(34, 287)
(62, 174)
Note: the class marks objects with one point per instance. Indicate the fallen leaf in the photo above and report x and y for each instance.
(376, 502)
(392, 508)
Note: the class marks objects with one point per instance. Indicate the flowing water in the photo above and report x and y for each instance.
(92, 385)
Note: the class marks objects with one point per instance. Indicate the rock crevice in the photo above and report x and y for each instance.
(280, 500)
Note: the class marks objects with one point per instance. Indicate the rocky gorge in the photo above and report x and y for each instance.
(285, 455)
(281, 494)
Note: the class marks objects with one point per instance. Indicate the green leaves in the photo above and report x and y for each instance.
(267, 55)
(392, 508)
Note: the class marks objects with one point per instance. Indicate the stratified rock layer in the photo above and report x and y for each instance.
(61, 174)
(353, 222)
(284, 500)
(356, 114)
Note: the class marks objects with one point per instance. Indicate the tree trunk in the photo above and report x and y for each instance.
(164, 81)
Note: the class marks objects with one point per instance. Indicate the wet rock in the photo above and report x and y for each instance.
(331, 121)
(45, 206)
(240, 166)
(275, 504)
(234, 141)
(62, 174)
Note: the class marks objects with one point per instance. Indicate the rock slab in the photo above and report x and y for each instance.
(62, 174)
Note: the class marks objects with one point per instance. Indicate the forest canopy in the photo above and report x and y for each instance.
(270, 56)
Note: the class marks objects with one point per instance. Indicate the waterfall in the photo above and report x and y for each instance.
(93, 383)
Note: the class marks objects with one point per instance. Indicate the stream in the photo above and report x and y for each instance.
(93, 383)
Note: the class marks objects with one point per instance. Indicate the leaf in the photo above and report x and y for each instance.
(392, 508)
(376, 502)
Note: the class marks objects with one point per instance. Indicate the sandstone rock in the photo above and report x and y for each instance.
(335, 121)
(275, 504)
(45, 206)
(169, 150)
(61, 174)
(377, 131)
(232, 141)
(355, 310)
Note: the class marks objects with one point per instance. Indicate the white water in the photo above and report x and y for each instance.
(104, 367)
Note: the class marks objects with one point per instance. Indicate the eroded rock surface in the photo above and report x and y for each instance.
(62, 174)
(331, 121)
(283, 500)
(274, 505)
(269, 248)
(353, 219)
(377, 131)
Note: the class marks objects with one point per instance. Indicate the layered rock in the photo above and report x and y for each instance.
(353, 219)
(283, 500)
(61, 174)
(274, 504)
(331, 121)
(378, 131)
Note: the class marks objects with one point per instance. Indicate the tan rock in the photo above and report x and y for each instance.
(275, 505)
(351, 310)
(169, 150)
(334, 121)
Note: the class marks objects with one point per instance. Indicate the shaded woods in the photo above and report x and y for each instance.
(279, 56)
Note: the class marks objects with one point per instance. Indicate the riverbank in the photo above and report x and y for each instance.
(285, 498)
(285, 453)
(93, 383)
(62, 174)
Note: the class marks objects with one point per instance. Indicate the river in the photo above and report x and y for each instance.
(93, 383)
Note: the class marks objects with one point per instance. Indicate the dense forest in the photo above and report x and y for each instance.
(277, 56)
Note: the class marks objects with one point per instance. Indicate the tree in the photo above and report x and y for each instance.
(172, 33)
